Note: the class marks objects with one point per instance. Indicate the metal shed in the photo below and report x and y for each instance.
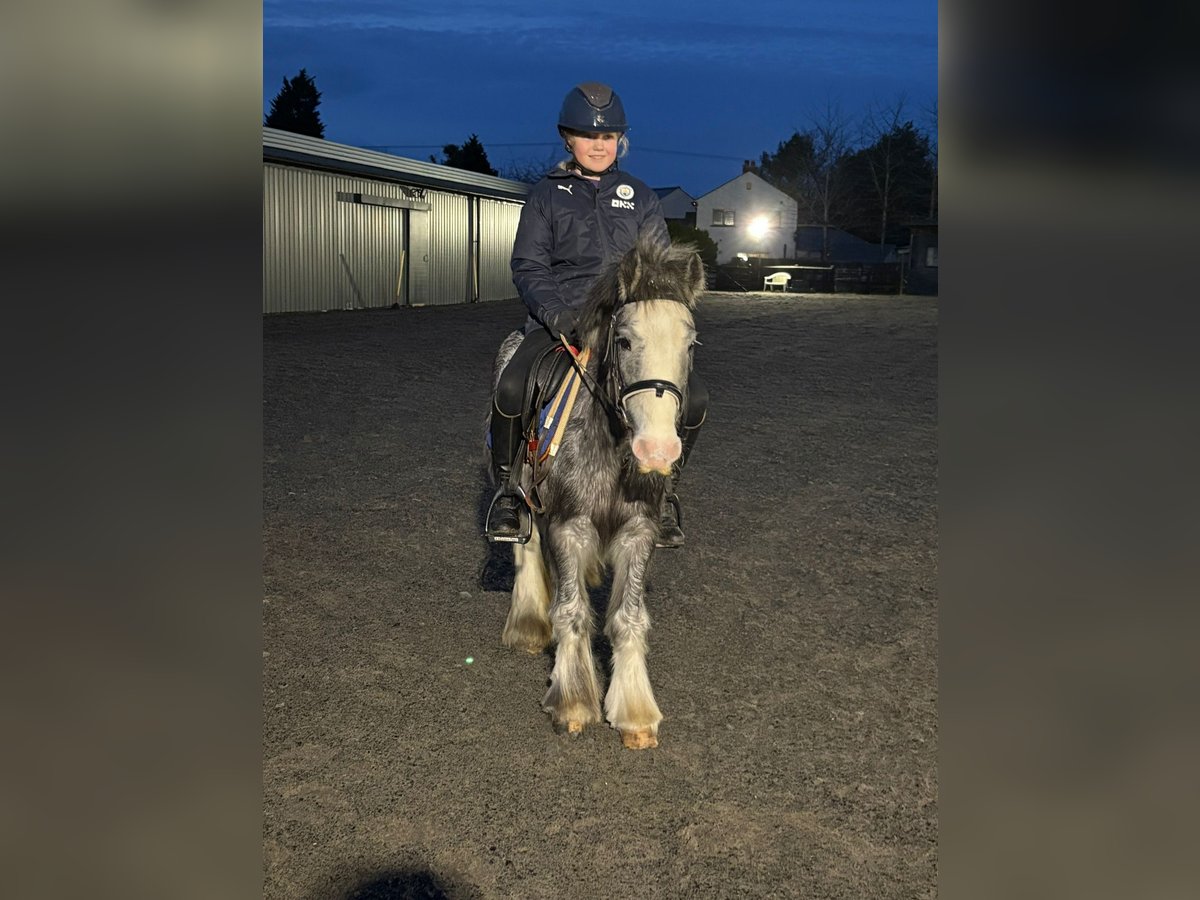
(346, 228)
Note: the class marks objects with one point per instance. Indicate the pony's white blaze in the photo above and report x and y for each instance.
(664, 332)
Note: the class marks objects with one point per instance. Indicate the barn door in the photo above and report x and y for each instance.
(417, 264)
(370, 242)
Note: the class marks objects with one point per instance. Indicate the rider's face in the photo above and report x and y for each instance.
(595, 152)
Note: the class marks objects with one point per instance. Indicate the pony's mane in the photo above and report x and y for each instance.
(649, 271)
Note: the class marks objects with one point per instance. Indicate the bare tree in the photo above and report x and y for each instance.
(829, 129)
(530, 170)
(880, 126)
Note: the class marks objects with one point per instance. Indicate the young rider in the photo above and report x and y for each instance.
(582, 215)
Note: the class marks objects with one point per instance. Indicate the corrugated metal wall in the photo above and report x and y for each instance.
(320, 253)
(299, 252)
(370, 248)
(449, 250)
(497, 230)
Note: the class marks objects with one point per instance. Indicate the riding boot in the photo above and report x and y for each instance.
(670, 525)
(504, 515)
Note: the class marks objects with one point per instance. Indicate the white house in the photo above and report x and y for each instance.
(748, 216)
(677, 204)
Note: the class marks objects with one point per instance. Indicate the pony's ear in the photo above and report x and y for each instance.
(630, 272)
(688, 268)
(695, 271)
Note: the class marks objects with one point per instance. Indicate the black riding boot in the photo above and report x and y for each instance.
(504, 517)
(670, 525)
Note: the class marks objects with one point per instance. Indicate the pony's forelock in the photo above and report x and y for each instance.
(649, 271)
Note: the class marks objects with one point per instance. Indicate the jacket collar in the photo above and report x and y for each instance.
(607, 177)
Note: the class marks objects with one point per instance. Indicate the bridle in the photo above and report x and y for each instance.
(615, 398)
(622, 391)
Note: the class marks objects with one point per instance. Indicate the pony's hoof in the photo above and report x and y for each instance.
(571, 729)
(527, 637)
(643, 739)
(532, 647)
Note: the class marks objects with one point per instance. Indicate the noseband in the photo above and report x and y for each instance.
(621, 391)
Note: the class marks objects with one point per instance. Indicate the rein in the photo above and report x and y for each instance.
(588, 381)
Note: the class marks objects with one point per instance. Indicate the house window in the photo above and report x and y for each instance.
(723, 217)
(931, 256)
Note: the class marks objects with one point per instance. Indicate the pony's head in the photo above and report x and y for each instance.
(639, 318)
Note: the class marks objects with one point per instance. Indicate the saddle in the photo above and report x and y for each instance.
(550, 394)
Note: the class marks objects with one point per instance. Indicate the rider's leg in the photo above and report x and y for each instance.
(508, 406)
(670, 528)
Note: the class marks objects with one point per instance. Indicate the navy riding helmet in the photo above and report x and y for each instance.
(593, 107)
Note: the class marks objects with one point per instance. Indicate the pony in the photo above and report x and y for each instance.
(599, 505)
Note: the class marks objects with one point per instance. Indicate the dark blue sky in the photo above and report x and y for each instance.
(706, 83)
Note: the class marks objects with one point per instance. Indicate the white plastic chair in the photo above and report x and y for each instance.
(779, 278)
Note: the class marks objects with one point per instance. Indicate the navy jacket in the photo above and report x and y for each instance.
(570, 227)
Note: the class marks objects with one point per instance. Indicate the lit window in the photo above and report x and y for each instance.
(931, 256)
(723, 217)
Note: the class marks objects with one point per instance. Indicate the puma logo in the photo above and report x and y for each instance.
(567, 188)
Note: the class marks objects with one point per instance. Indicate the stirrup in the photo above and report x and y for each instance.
(524, 518)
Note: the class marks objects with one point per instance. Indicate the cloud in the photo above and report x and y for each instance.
(702, 84)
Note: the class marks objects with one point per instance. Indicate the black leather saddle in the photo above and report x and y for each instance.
(544, 379)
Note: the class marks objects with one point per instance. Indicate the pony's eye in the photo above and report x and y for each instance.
(623, 343)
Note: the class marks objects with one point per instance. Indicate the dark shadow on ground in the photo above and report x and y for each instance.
(405, 884)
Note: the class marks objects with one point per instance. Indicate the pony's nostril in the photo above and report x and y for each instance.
(646, 450)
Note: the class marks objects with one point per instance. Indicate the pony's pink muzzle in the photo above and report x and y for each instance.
(656, 454)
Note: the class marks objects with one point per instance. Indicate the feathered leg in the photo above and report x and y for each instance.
(528, 625)
(630, 706)
(573, 699)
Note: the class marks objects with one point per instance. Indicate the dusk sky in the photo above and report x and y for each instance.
(705, 83)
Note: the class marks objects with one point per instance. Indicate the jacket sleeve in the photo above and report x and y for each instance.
(531, 258)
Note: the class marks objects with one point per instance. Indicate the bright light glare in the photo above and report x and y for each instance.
(758, 227)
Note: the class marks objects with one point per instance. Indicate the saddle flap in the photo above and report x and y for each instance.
(552, 418)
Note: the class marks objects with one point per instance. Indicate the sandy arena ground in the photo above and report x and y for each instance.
(793, 653)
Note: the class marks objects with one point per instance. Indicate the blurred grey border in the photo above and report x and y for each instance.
(1069, 147)
(131, 580)
(131, 459)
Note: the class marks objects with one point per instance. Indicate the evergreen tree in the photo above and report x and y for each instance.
(891, 176)
(683, 233)
(295, 107)
(470, 156)
(891, 182)
(790, 166)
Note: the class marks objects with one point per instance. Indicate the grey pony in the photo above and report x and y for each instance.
(599, 504)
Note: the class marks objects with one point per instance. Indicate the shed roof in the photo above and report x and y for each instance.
(843, 246)
(284, 146)
(664, 191)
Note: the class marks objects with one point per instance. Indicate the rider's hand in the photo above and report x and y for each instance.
(562, 323)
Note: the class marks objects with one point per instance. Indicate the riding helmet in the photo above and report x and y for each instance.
(593, 107)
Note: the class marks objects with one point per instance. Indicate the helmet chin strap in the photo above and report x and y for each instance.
(588, 173)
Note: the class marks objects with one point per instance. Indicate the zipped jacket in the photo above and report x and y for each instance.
(570, 228)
